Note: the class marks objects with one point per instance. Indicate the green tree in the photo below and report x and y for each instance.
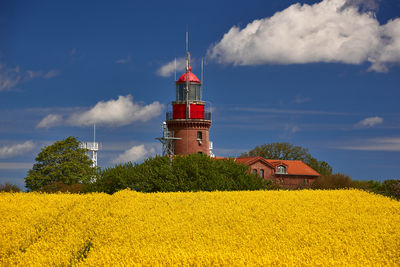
(183, 173)
(286, 151)
(62, 162)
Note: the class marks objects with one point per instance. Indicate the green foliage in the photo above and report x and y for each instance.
(184, 173)
(8, 187)
(286, 151)
(390, 188)
(113, 179)
(62, 162)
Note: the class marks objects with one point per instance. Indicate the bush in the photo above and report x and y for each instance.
(390, 188)
(113, 179)
(8, 187)
(184, 173)
(333, 181)
(62, 187)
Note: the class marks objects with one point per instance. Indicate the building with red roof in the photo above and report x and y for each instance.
(287, 173)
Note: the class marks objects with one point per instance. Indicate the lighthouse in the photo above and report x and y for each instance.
(186, 129)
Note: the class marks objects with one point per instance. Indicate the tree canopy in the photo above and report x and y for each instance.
(286, 151)
(62, 162)
(183, 173)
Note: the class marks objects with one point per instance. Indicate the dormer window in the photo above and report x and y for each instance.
(281, 170)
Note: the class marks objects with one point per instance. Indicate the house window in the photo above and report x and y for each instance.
(199, 135)
(255, 171)
(199, 152)
(262, 173)
(281, 169)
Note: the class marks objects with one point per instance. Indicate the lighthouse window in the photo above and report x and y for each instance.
(199, 135)
(198, 92)
(192, 92)
(180, 92)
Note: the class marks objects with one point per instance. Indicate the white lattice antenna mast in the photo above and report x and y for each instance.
(91, 147)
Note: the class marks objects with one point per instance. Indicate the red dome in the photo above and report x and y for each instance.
(192, 77)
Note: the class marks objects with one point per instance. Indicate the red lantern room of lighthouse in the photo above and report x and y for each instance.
(189, 121)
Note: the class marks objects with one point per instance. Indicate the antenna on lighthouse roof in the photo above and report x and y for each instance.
(187, 74)
(187, 39)
(202, 70)
(175, 69)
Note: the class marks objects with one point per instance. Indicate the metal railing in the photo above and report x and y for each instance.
(207, 115)
(196, 115)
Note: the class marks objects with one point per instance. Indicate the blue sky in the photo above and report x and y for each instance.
(320, 74)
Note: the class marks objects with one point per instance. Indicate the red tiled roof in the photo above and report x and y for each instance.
(293, 167)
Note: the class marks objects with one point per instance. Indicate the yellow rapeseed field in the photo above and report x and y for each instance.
(342, 227)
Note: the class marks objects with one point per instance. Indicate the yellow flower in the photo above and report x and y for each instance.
(338, 227)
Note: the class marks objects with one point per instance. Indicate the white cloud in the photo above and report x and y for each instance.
(123, 60)
(51, 74)
(376, 144)
(32, 74)
(169, 68)
(122, 111)
(17, 149)
(135, 153)
(363, 5)
(328, 31)
(388, 52)
(50, 121)
(11, 77)
(15, 166)
(369, 122)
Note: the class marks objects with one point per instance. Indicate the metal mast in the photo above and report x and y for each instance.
(167, 141)
(92, 148)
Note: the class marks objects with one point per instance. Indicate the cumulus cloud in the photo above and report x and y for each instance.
(50, 121)
(362, 5)
(11, 77)
(169, 68)
(135, 153)
(328, 31)
(119, 112)
(17, 149)
(122, 111)
(369, 122)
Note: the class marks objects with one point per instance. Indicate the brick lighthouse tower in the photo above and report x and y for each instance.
(189, 122)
